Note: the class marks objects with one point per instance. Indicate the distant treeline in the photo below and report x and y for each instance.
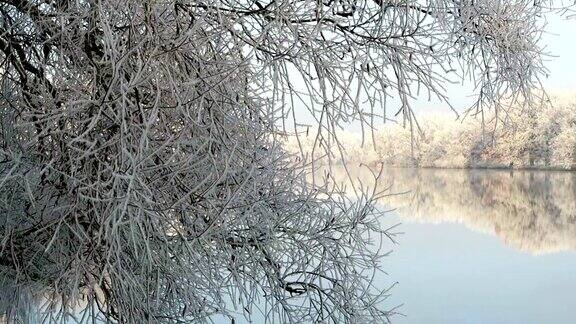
(543, 138)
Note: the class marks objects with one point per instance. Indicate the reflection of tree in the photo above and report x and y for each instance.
(531, 211)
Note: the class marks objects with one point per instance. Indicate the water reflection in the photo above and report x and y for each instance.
(533, 211)
(449, 265)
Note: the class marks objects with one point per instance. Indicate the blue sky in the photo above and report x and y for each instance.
(559, 41)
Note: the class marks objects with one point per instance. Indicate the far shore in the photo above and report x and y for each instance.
(488, 167)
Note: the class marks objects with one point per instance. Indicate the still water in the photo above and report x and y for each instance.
(482, 246)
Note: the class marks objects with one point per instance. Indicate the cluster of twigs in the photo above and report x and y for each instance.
(141, 178)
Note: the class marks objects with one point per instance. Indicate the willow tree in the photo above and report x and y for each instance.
(142, 176)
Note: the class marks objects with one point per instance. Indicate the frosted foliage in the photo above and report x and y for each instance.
(141, 175)
(519, 139)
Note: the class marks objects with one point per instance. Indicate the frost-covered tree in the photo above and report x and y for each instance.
(141, 177)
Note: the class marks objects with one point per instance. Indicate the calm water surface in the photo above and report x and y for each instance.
(483, 246)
